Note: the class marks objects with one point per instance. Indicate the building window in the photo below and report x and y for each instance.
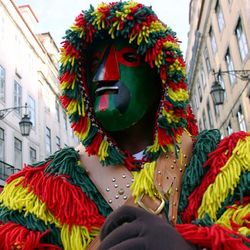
(241, 40)
(32, 155)
(195, 100)
(199, 90)
(58, 143)
(207, 60)
(32, 110)
(212, 40)
(18, 153)
(209, 113)
(57, 111)
(204, 120)
(241, 120)
(2, 84)
(229, 129)
(17, 96)
(2, 145)
(220, 17)
(230, 67)
(203, 78)
(65, 120)
(48, 141)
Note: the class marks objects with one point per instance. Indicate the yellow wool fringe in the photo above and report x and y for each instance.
(171, 118)
(236, 213)
(77, 237)
(17, 198)
(226, 180)
(144, 182)
(179, 95)
(84, 134)
(103, 150)
(155, 147)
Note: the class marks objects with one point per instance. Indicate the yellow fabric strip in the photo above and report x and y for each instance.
(226, 180)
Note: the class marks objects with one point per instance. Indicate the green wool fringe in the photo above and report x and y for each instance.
(206, 142)
(66, 162)
(242, 189)
(32, 223)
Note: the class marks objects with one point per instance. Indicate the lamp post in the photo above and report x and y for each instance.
(217, 91)
(25, 124)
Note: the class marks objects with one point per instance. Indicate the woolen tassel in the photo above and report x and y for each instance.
(163, 138)
(14, 236)
(214, 237)
(191, 122)
(93, 148)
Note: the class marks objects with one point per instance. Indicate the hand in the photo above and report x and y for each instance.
(130, 228)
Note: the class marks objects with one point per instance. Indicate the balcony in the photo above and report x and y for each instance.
(6, 170)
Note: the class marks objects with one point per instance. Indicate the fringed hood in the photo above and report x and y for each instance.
(157, 43)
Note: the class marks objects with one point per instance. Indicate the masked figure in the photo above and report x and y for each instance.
(141, 162)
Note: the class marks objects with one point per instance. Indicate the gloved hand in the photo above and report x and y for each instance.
(130, 228)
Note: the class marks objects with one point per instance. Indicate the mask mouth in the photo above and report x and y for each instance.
(106, 89)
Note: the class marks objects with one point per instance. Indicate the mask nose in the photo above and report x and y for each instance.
(108, 69)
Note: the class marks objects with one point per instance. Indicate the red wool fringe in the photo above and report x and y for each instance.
(14, 236)
(93, 147)
(67, 202)
(163, 138)
(216, 160)
(214, 237)
(81, 125)
(191, 122)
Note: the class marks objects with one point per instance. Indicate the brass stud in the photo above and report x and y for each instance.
(110, 201)
(113, 180)
(176, 189)
(185, 156)
(159, 172)
(174, 203)
(117, 196)
(125, 197)
(185, 165)
(172, 166)
(132, 180)
(127, 185)
(181, 169)
(116, 186)
(121, 191)
(159, 184)
(173, 217)
(174, 161)
(107, 189)
(123, 176)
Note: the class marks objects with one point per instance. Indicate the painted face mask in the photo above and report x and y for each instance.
(121, 85)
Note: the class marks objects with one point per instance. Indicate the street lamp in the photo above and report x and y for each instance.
(217, 91)
(25, 124)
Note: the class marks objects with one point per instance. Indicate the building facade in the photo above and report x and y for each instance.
(219, 41)
(28, 74)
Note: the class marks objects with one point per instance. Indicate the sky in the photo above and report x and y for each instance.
(56, 16)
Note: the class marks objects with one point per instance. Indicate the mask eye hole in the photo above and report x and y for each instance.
(131, 57)
(95, 59)
(128, 57)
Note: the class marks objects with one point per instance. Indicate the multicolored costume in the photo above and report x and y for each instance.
(54, 204)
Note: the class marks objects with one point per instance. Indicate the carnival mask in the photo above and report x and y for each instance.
(122, 85)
